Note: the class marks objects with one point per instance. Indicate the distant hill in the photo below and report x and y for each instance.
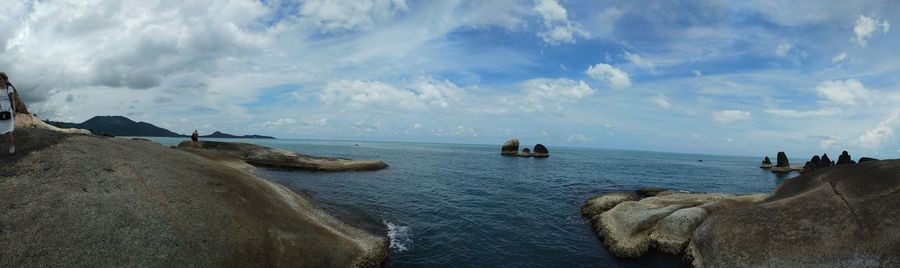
(229, 136)
(122, 126)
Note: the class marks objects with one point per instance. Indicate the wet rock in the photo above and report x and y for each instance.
(766, 163)
(540, 151)
(525, 153)
(844, 159)
(510, 147)
(842, 216)
(650, 191)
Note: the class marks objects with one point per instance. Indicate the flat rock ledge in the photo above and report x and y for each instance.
(232, 153)
(630, 226)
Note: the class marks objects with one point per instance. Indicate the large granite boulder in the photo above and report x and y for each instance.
(510, 147)
(844, 159)
(525, 153)
(258, 155)
(25, 120)
(843, 216)
(629, 228)
(782, 165)
(811, 165)
(766, 163)
(540, 151)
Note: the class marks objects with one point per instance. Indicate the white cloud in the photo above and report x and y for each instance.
(803, 114)
(640, 62)
(847, 92)
(544, 94)
(783, 49)
(557, 27)
(827, 143)
(280, 122)
(838, 58)
(347, 15)
(417, 126)
(697, 73)
(421, 94)
(579, 138)
(865, 26)
(885, 130)
(662, 101)
(610, 75)
(731, 116)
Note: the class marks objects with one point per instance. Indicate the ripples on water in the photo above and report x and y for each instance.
(467, 206)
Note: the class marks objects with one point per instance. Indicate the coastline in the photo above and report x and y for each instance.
(99, 201)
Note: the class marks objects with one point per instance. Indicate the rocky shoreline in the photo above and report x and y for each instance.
(840, 216)
(85, 200)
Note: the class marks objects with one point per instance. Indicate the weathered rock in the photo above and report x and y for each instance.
(540, 151)
(866, 159)
(24, 120)
(826, 162)
(842, 216)
(766, 163)
(844, 159)
(650, 191)
(603, 202)
(664, 222)
(510, 147)
(525, 153)
(71, 200)
(782, 160)
(258, 155)
(809, 166)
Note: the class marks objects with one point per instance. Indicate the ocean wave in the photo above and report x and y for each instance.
(399, 235)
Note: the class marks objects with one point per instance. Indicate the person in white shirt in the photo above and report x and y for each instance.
(7, 104)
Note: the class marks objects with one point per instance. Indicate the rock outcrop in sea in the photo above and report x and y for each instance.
(258, 155)
(766, 163)
(75, 200)
(525, 153)
(540, 151)
(842, 216)
(630, 226)
(510, 147)
(783, 165)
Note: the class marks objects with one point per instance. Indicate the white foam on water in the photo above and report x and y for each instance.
(399, 236)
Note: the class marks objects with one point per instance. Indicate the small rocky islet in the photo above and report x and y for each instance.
(511, 148)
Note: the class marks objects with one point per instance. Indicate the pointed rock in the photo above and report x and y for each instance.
(844, 159)
(826, 162)
(766, 163)
(782, 166)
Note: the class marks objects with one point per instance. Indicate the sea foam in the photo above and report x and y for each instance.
(399, 236)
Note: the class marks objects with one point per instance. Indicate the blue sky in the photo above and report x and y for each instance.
(722, 77)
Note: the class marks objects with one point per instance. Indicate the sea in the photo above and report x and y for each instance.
(458, 205)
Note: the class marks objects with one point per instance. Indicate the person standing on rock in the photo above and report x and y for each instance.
(7, 111)
(195, 137)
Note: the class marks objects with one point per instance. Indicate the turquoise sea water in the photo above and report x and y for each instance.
(467, 206)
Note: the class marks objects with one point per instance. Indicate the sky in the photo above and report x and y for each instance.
(720, 77)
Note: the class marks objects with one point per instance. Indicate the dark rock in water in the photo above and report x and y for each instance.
(540, 151)
(766, 163)
(782, 166)
(510, 147)
(844, 159)
(782, 160)
(843, 216)
(826, 162)
(525, 153)
(650, 191)
(866, 159)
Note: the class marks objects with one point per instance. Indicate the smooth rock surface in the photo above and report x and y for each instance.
(258, 155)
(510, 147)
(73, 200)
(30, 121)
(842, 216)
(540, 151)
